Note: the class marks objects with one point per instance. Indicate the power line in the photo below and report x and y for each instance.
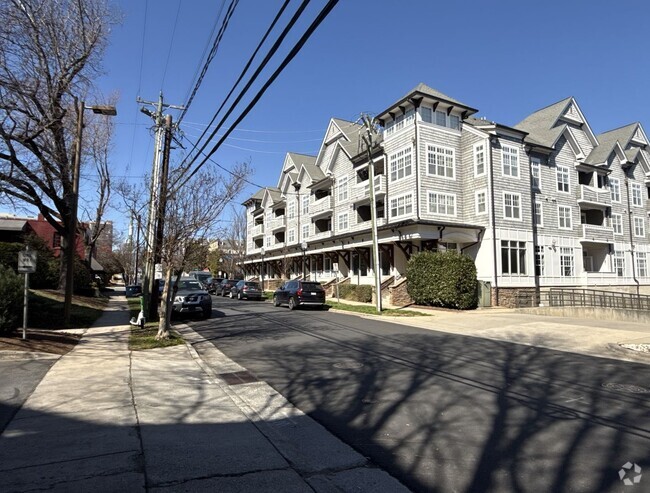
(294, 51)
(171, 44)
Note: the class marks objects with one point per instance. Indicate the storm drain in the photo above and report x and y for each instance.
(238, 377)
(624, 387)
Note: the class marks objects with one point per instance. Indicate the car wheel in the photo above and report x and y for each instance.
(292, 303)
(275, 301)
(230, 295)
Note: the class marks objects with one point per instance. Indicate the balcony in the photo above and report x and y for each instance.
(320, 236)
(360, 192)
(275, 246)
(594, 197)
(257, 231)
(322, 207)
(597, 234)
(277, 223)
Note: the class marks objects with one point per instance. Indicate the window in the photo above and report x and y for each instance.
(400, 164)
(539, 260)
(566, 262)
(269, 217)
(440, 160)
(342, 189)
(539, 214)
(343, 221)
(454, 122)
(291, 236)
(619, 263)
(535, 165)
(510, 161)
(481, 202)
(512, 206)
(641, 264)
(564, 217)
(268, 241)
(479, 159)
(562, 175)
(291, 209)
(513, 257)
(615, 189)
(442, 203)
(617, 224)
(305, 231)
(637, 194)
(401, 206)
(441, 118)
(56, 240)
(427, 114)
(305, 205)
(639, 226)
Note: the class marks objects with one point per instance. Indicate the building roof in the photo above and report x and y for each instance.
(540, 125)
(423, 90)
(607, 142)
(299, 159)
(12, 224)
(314, 172)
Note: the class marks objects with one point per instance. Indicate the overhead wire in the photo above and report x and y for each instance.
(171, 44)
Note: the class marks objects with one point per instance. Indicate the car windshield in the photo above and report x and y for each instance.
(252, 284)
(189, 285)
(312, 286)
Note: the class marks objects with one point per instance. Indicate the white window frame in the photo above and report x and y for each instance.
(510, 161)
(568, 218)
(641, 264)
(615, 190)
(398, 162)
(512, 207)
(539, 260)
(639, 226)
(477, 202)
(637, 195)
(517, 248)
(430, 112)
(305, 227)
(479, 151)
(441, 158)
(562, 173)
(618, 263)
(342, 189)
(291, 236)
(538, 206)
(617, 224)
(304, 206)
(291, 209)
(535, 173)
(567, 259)
(267, 240)
(343, 217)
(405, 198)
(434, 199)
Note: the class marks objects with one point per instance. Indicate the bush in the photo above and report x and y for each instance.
(355, 292)
(47, 266)
(445, 279)
(11, 299)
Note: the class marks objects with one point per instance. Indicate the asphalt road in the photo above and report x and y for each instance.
(19, 379)
(443, 412)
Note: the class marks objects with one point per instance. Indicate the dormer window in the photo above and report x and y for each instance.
(439, 117)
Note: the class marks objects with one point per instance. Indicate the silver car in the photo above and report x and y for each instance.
(191, 297)
(249, 290)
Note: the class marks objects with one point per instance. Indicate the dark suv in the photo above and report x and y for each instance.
(226, 285)
(299, 293)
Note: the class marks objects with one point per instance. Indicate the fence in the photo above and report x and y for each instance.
(561, 297)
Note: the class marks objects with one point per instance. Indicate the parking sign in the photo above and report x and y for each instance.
(26, 262)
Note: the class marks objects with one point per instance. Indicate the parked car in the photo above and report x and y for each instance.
(226, 285)
(202, 276)
(299, 293)
(191, 297)
(249, 290)
(133, 291)
(214, 285)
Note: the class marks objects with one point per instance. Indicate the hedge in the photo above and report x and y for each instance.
(354, 292)
(11, 299)
(445, 279)
(47, 265)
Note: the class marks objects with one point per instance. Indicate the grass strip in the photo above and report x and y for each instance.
(372, 310)
(145, 338)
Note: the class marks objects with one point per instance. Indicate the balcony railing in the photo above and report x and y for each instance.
(361, 191)
(598, 234)
(277, 223)
(257, 230)
(326, 204)
(320, 236)
(595, 196)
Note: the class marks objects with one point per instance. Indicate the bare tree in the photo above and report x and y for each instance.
(190, 220)
(50, 51)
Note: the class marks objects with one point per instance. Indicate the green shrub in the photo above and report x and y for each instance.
(47, 265)
(445, 279)
(11, 299)
(355, 292)
(364, 293)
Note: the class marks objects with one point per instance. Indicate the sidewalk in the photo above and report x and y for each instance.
(107, 419)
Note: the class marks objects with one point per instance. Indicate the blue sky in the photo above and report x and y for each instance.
(505, 58)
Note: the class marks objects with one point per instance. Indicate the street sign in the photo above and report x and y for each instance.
(26, 262)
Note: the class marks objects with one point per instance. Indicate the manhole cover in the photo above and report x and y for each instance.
(624, 387)
(348, 365)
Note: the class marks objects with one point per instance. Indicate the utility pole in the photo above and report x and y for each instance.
(368, 139)
(157, 193)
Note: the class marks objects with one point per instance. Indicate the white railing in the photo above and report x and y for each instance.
(257, 230)
(325, 204)
(320, 236)
(361, 191)
(593, 232)
(595, 195)
(277, 223)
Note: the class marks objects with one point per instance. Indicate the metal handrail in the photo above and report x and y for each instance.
(597, 298)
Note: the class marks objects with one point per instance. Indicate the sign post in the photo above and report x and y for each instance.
(27, 266)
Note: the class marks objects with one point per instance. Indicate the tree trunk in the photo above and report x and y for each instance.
(164, 315)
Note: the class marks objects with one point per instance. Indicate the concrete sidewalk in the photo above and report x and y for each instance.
(108, 419)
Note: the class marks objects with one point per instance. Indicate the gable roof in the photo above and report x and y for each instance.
(540, 125)
(257, 196)
(607, 142)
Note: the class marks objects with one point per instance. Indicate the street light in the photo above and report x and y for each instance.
(303, 245)
(74, 200)
(262, 274)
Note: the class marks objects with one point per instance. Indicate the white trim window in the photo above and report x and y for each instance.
(512, 206)
(305, 231)
(513, 257)
(535, 166)
(567, 263)
(304, 210)
(291, 209)
(400, 164)
(641, 264)
(564, 217)
(291, 236)
(479, 159)
(617, 224)
(343, 221)
(401, 206)
(539, 260)
(637, 195)
(615, 189)
(442, 203)
(539, 214)
(342, 189)
(269, 218)
(639, 226)
(267, 241)
(619, 263)
(426, 113)
(562, 176)
(441, 161)
(480, 199)
(510, 161)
